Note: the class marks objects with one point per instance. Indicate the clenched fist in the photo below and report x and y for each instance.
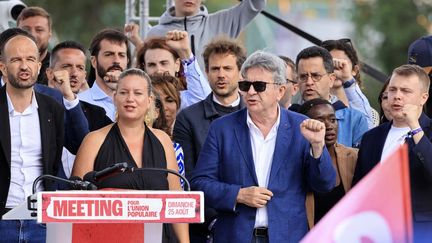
(314, 132)
(62, 83)
(179, 41)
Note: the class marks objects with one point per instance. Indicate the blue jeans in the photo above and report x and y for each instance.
(22, 231)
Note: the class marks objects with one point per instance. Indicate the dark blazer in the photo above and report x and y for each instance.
(191, 128)
(76, 125)
(79, 120)
(420, 161)
(226, 164)
(52, 133)
(95, 115)
(190, 131)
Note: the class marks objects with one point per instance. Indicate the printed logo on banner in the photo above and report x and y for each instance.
(104, 208)
(109, 207)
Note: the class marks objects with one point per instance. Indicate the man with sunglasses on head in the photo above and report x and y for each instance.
(315, 70)
(257, 163)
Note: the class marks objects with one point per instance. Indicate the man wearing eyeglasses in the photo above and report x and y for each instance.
(291, 85)
(316, 76)
(256, 164)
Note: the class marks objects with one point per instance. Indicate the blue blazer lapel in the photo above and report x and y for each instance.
(5, 137)
(283, 143)
(241, 131)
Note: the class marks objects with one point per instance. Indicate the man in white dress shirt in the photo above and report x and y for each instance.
(31, 135)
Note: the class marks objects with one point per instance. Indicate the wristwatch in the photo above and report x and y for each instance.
(348, 83)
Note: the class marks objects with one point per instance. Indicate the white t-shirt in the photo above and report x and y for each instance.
(395, 138)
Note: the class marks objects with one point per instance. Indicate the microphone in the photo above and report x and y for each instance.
(78, 184)
(75, 181)
(96, 176)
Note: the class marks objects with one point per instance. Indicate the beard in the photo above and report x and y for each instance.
(43, 48)
(101, 72)
(18, 84)
(228, 91)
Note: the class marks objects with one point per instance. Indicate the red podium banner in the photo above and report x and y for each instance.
(120, 207)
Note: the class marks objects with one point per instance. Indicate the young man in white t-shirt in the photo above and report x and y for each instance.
(408, 92)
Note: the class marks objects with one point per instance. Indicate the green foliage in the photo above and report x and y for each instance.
(80, 20)
(384, 29)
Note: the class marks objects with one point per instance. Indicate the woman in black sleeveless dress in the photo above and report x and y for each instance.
(130, 140)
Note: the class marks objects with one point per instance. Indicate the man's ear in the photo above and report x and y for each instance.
(49, 73)
(295, 89)
(177, 64)
(281, 92)
(332, 77)
(93, 61)
(355, 70)
(3, 68)
(424, 98)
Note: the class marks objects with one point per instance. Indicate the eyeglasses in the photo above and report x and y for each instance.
(316, 77)
(259, 86)
(291, 81)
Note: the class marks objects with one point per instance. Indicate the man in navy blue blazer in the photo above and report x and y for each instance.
(257, 163)
(407, 93)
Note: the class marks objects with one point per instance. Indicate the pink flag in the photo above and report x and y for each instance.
(377, 209)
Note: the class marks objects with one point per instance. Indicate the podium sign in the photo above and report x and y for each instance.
(120, 207)
(115, 216)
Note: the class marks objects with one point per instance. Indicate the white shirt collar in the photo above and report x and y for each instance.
(274, 128)
(33, 106)
(235, 103)
(97, 93)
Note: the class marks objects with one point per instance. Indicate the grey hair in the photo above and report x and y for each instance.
(267, 61)
(139, 73)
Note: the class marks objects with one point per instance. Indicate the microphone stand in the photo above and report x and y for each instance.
(132, 169)
(82, 184)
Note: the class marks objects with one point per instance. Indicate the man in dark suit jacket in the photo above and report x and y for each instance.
(408, 92)
(67, 74)
(257, 163)
(23, 157)
(76, 125)
(223, 58)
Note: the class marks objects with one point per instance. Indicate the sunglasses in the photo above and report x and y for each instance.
(259, 86)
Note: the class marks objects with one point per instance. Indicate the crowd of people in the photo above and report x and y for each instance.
(191, 99)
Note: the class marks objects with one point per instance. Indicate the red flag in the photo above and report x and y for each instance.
(377, 209)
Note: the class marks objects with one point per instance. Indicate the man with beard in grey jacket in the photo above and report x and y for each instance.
(193, 17)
